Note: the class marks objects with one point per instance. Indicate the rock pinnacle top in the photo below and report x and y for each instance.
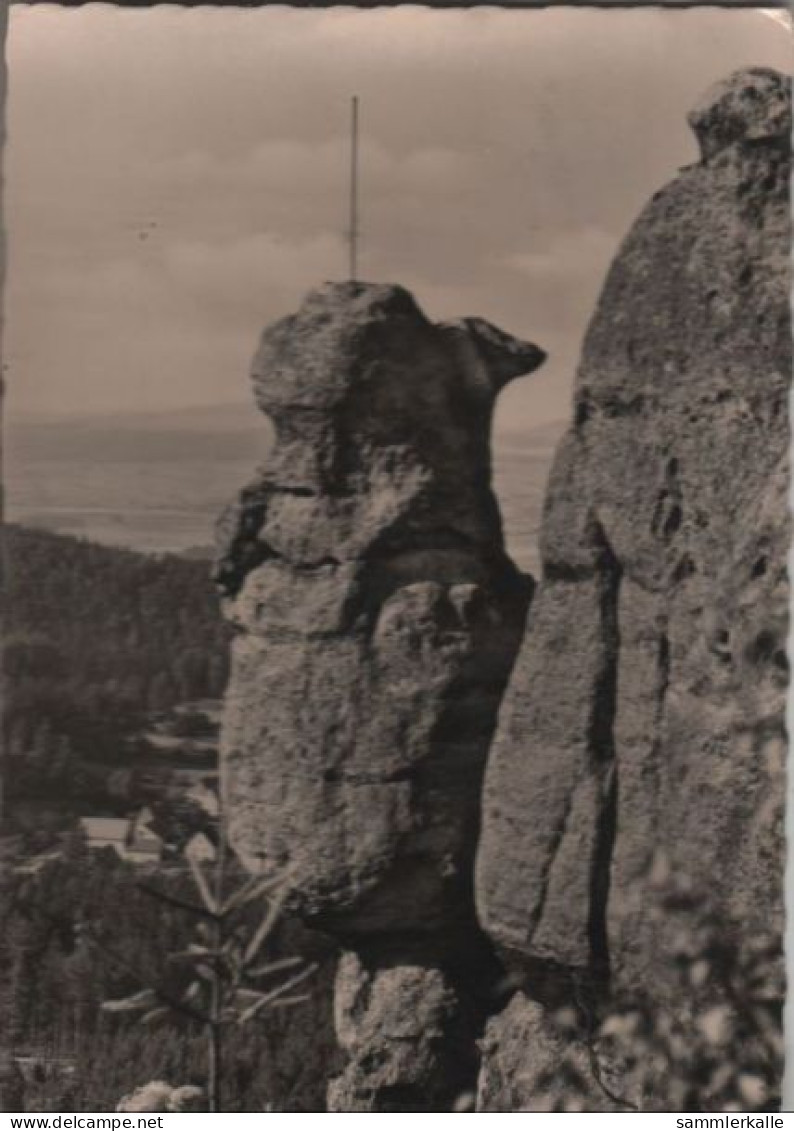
(749, 106)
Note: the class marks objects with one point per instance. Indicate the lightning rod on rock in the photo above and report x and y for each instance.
(353, 229)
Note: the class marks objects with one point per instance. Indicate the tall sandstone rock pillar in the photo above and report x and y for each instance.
(378, 618)
(643, 727)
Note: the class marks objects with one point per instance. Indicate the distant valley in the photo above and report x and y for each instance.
(151, 482)
(156, 482)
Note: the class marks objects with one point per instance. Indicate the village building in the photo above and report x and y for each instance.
(131, 837)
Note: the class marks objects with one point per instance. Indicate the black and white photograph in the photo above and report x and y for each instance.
(395, 473)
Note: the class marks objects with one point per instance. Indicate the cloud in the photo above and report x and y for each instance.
(504, 154)
(576, 254)
(265, 268)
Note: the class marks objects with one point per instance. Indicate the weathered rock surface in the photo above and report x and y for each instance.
(409, 1039)
(378, 614)
(537, 1059)
(645, 713)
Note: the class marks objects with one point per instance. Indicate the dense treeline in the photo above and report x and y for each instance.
(80, 931)
(94, 640)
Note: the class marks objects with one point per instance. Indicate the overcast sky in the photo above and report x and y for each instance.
(504, 155)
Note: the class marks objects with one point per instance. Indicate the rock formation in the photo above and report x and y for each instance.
(644, 718)
(378, 618)
(408, 1036)
(640, 742)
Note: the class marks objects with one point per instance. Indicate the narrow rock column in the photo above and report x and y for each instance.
(378, 619)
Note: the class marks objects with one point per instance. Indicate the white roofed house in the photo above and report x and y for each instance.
(131, 837)
(144, 846)
(106, 832)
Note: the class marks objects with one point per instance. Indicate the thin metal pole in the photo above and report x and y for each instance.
(354, 190)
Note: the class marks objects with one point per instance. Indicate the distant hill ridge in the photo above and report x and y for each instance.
(94, 640)
(157, 481)
(204, 421)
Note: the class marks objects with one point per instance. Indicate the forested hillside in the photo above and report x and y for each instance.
(96, 640)
(80, 931)
(99, 646)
